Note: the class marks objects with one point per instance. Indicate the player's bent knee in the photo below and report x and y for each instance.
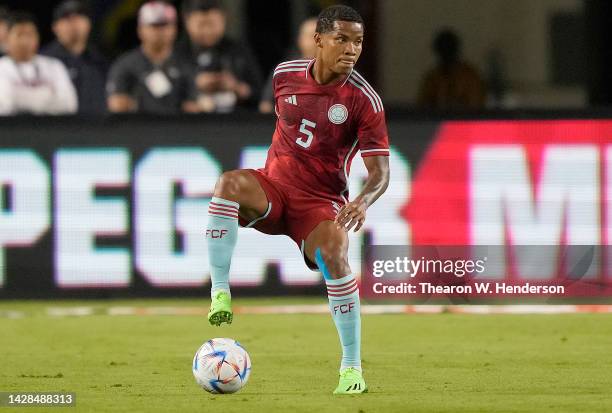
(229, 185)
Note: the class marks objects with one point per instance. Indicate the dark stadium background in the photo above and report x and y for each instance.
(269, 30)
(268, 26)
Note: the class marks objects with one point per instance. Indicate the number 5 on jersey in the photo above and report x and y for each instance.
(305, 143)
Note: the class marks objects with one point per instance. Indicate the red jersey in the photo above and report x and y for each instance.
(320, 128)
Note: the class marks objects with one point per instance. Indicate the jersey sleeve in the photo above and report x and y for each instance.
(274, 81)
(372, 128)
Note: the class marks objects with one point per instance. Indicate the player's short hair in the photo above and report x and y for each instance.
(331, 14)
(192, 6)
(21, 17)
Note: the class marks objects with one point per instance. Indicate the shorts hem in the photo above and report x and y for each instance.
(264, 216)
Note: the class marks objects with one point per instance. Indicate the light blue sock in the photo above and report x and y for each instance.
(221, 233)
(345, 308)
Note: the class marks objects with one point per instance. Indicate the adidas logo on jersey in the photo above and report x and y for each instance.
(291, 99)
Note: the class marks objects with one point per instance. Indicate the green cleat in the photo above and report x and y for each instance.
(220, 309)
(351, 382)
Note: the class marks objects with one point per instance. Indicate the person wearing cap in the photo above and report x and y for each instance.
(225, 72)
(148, 79)
(86, 66)
(31, 83)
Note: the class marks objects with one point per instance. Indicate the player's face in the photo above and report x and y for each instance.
(22, 42)
(340, 48)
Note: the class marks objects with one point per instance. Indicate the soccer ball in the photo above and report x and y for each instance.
(221, 365)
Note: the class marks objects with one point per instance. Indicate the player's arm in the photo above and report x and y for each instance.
(374, 147)
(354, 212)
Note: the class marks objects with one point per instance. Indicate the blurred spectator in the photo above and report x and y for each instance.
(148, 79)
(453, 84)
(225, 72)
(30, 83)
(4, 23)
(306, 49)
(87, 68)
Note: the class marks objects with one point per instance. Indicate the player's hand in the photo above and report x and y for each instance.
(351, 214)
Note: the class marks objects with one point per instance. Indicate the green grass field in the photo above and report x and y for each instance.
(412, 363)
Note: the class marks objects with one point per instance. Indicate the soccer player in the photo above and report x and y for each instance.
(326, 113)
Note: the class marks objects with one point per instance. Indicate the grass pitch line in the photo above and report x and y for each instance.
(12, 314)
(320, 309)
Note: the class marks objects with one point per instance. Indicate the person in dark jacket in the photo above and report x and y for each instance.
(453, 84)
(86, 66)
(225, 72)
(148, 79)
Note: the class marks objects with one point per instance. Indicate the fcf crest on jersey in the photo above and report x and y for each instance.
(337, 114)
